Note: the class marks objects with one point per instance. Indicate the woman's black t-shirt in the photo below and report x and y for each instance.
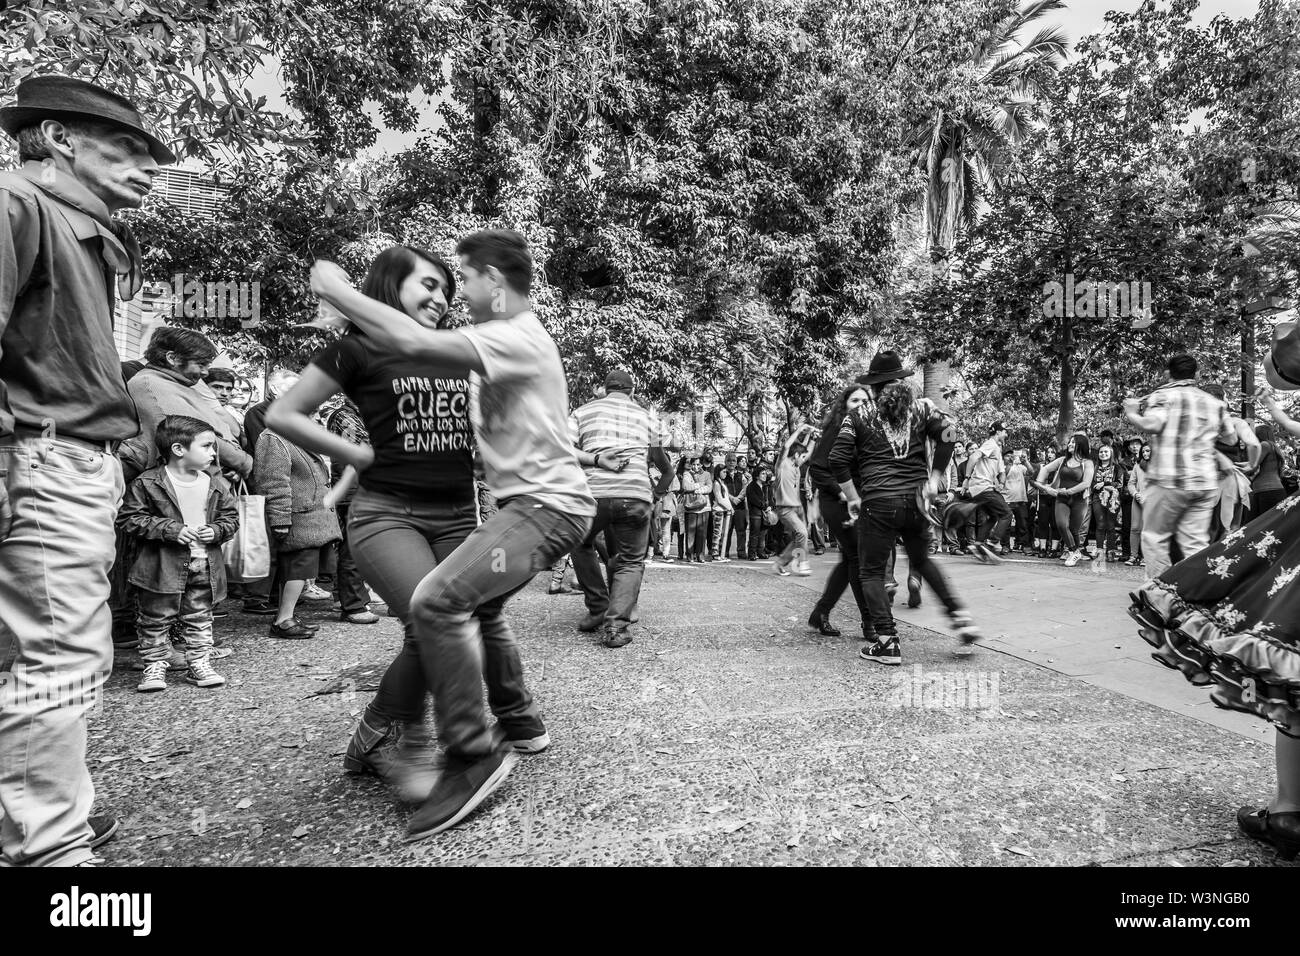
(419, 424)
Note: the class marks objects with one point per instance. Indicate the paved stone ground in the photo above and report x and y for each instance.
(728, 732)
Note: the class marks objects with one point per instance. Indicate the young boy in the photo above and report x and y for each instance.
(181, 517)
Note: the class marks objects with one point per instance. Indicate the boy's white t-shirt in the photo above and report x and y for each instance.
(519, 407)
(192, 496)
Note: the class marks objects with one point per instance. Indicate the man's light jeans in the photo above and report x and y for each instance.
(1169, 512)
(56, 646)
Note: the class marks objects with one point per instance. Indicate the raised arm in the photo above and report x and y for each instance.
(393, 331)
(1284, 421)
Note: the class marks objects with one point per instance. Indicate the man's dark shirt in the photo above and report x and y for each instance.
(59, 257)
(255, 424)
(886, 471)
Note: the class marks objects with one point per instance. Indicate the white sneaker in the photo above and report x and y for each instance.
(803, 569)
(202, 675)
(781, 569)
(313, 593)
(1073, 558)
(154, 677)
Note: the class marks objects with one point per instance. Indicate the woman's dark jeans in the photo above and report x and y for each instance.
(697, 524)
(1069, 520)
(757, 532)
(396, 543)
(847, 573)
(882, 522)
(1104, 524)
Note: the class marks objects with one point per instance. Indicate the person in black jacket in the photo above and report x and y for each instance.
(834, 509)
(887, 438)
(756, 503)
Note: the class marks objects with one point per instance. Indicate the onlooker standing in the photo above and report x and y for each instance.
(294, 482)
(1266, 486)
(221, 382)
(1129, 459)
(63, 410)
(723, 511)
(182, 518)
(1108, 477)
(1018, 500)
(616, 440)
(789, 508)
(1137, 489)
(696, 491)
(756, 504)
(349, 589)
(737, 485)
(1182, 479)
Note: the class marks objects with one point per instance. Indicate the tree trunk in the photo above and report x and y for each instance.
(1247, 366)
(1065, 412)
(935, 376)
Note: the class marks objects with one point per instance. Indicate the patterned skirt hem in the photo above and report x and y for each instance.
(1252, 673)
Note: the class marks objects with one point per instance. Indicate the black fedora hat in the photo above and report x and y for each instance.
(65, 97)
(885, 367)
(1282, 365)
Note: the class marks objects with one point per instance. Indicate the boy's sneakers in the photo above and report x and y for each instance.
(464, 784)
(781, 569)
(202, 675)
(154, 678)
(803, 569)
(882, 651)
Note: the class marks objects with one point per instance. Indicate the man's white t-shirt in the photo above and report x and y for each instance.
(520, 410)
(192, 496)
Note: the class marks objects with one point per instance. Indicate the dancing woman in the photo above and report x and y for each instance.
(887, 437)
(1072, 477)
(834, 508)
(416, 502)
(1229, 616)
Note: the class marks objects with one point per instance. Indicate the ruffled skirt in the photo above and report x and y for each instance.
(1229, 616)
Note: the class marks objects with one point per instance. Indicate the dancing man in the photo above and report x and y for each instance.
(519, 407)
(887, 438)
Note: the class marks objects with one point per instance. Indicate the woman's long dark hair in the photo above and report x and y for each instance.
(895, 401)
(834, 416)
(384, 278)
(1081, 447)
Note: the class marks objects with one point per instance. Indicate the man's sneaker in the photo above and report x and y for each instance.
(260, 608)
(529, 737)
(721, 560)
(781, 569)
(292, 630)
(986, 553)
(312, 593)
(464, 784)
(966, 632)
(1072, 559)
(102, 830)
(913, 591)
(882, 651)
(591, 623)
(155, 677)
(361, 617)
(803, 569)
(202, 675)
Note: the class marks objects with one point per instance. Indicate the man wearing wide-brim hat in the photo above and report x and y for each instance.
(63, 411)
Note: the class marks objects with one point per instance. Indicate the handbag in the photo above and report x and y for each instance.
(248, 552)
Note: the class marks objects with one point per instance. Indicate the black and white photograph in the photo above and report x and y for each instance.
(576, 434)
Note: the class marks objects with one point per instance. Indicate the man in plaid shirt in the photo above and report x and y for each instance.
(1182, 478)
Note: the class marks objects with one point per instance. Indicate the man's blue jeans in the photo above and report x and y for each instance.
(458, 651)
(626, 524)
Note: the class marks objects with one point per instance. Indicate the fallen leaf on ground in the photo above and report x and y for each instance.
(1119, 778)
(299, 833)
(836, 835)
(112, 759)
(1029, 713)
(292, 743)
(717, 809)
(1018, 851)
(244, 804)
(165, 774)
(739, 826)
(898, 799)
(874, 821)
(664, 750)
(793, 841)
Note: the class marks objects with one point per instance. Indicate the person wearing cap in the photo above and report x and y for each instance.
(1229, 618)
(1184, 421)
(617, 440)
(901, 445)
(64, 409)
(985, 477)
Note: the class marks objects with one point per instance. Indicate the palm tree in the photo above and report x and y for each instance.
(968, 146)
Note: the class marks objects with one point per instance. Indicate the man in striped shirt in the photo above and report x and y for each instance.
(1182, 477)
(616, 440)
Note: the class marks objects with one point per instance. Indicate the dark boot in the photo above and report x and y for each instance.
(823, 624)
(399, 754)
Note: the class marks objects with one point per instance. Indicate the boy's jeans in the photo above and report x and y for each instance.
(792, 521)
(192, 610)
(56, 646)
(459, 651)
